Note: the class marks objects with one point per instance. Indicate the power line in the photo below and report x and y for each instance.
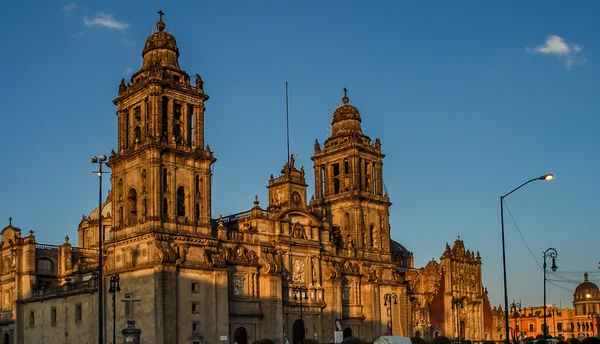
(521, 234)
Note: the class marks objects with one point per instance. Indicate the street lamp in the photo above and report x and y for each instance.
(298, 291)
(392, 298)
(99, 160)
(516, 306)
(457, 304)
(115, 287)
(544, 177)
(549, 253)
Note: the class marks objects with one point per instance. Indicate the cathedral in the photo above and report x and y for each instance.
(288, 268)
(448, 298)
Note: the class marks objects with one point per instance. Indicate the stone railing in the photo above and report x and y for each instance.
(67, 288)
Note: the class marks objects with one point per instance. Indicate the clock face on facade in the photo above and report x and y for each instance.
(296, 198)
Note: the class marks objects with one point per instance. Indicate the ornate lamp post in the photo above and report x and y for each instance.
(515, 307)
(457, 304)
(114, 288)
(390, 298)
(544, 177)
(298, 291)
(549, 253)
(100, 160)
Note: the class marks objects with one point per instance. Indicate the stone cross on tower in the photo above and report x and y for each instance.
(161, 13)
(130, 300)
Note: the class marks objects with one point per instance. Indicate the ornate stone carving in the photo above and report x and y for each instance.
(346, 292)
(238, 285)
(298, 271)
(299, 231)
(271, 261)
(332, 269)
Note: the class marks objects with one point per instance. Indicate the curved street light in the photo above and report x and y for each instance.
(100, 160)
(506, 325)
(549, 253)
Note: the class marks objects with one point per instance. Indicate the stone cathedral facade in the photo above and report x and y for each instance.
(288, 268)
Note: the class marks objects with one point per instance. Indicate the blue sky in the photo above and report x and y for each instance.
(469, 98)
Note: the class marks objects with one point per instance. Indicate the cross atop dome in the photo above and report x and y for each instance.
(160, 26)
(345, 100)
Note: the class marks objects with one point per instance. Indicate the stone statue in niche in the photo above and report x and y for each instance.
(314, 273)
(346, 292)
(238, 285)
(298, 271)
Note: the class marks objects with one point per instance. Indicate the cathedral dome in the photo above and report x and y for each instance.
(586, 287)
(346, 119)
(106, 210)
(160, 48)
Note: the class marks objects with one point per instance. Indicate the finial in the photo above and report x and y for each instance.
(345, 100)
(585, 277)
(31, 232)
(10, 221)
(160, 26)
(66, 238)
(256, 199)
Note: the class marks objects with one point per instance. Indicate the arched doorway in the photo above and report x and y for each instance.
(347, 332)
(297, 331)
(6, 339)
(462, 331)
(240, 336)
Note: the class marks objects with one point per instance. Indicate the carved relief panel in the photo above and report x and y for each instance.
(298, 271)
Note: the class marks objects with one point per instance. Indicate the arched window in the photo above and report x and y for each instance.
(197, 213)
(165, 184)
(336, 186)
(132, 204)
(137, 134)
(181, 201)
(197, 188)
(165, 208)
(336, 236)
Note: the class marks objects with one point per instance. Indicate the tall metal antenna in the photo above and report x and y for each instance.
(287, 124)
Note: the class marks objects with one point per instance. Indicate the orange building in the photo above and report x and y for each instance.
(578, 322)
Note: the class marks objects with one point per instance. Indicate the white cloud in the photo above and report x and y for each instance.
(70, 6)
(128, 70)
(105, 20)
(556, 45)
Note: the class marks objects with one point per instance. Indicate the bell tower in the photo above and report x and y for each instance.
(349, 184)
(161, 173)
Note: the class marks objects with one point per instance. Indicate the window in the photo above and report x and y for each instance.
(346, 169)
(531, 328)
(518, 329)
(195, 327)
(78, 314)
(180, 201)
(195, 308)
(195, 287)
(559, 326)
(336, 169)
(44, 266)
(31, 319)
(53, 316)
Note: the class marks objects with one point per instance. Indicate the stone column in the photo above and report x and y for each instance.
(318, 184)
(379, 180)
